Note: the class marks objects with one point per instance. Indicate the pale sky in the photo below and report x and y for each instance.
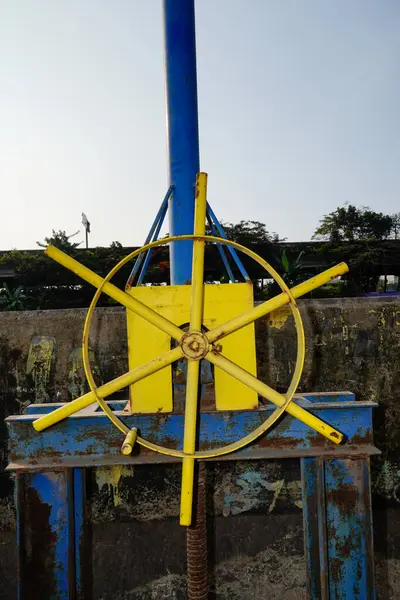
(299, 106)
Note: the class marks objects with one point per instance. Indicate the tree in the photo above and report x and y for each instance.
(375, 225)
(250, 232)
(61, 240)
(349, 223)
(395, 226)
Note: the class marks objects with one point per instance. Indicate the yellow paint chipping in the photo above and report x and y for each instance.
(277, 319)
(111, 476)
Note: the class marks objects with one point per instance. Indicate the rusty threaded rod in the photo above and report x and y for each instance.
(196, 542)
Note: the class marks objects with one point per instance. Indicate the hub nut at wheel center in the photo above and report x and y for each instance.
(194, 345)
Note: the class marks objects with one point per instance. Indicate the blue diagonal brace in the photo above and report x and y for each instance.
(221, 250)
(233, 252)
(151, 236)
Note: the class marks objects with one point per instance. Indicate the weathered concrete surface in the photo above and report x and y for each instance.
(255, 509)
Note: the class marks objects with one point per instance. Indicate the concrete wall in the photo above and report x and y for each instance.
(255, 509)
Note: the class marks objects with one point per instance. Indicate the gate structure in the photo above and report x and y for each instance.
(194, 395)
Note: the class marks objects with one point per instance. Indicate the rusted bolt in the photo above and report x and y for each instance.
(218, 348)
(194, 346)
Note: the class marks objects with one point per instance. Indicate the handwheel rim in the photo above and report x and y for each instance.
(258, 431)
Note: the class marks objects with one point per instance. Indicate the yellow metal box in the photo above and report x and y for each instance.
(145, 342)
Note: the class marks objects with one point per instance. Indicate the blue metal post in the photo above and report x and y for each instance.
(45, 535)
(182, 129)
(337, 516)
(53, 557)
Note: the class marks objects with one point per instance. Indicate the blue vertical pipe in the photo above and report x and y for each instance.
(182, 129)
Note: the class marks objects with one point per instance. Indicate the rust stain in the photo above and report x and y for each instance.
(279, 442)
(39, 545)
(335, 567)
(346, 498)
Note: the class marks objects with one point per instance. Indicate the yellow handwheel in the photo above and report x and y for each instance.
(194, 346)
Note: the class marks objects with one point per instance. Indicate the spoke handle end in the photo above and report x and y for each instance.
(129, 442)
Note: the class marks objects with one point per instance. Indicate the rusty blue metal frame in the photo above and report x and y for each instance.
(335, 482)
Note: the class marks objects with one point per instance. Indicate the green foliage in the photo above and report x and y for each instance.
(349, 223)
(293, 270)
(53, 286)
(358, 236)
(13, 299)
(40, 283)
(285, 261)
(335, 289)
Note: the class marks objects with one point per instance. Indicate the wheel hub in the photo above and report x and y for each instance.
(194, 345)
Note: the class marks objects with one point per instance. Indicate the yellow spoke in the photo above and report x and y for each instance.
(197, 292)
(266, 307)
(189, 441)
(196, 320)
(114, 292)
(108, 388)
(270, 394)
